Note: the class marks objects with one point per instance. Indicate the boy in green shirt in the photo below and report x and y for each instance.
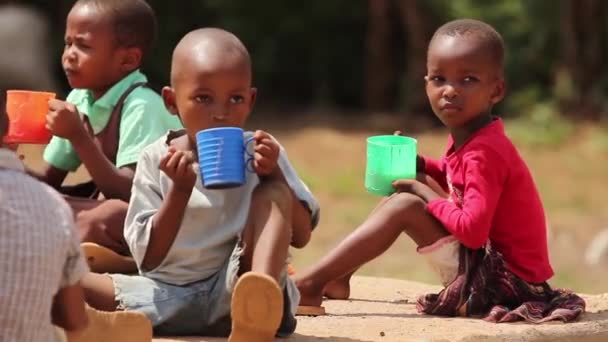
(108, 118)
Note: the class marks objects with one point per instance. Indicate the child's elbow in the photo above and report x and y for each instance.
(148, 264)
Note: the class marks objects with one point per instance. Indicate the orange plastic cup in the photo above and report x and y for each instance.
(27, 117)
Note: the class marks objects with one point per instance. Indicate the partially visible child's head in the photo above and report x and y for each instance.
(105, 40)
(464, 77)
(210, 81)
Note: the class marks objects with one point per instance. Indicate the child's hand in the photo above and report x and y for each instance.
(178, 166)
(266, 154)
(420, 163)
(64, 121)
(406, 185)
(417, 188)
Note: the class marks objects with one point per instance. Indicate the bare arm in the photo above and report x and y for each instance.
(113, 182)
(68, 308)
(64, 121)
(165, 226)
(168, 219)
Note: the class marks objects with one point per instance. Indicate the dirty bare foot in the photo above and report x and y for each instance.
(311, 294)
(338, 289)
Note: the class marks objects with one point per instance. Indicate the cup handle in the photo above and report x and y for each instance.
(249, 162)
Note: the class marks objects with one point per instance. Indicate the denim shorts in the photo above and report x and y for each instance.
(199, 308)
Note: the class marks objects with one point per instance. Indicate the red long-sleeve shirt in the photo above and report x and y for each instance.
(493, 197)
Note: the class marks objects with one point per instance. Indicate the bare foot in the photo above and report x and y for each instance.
(310, 293)
(337, 289)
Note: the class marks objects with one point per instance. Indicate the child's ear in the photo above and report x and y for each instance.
(499, 91)
(169, 98)
(132, 59)
(254, 96)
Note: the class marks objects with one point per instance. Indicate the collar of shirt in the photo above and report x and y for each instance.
(99, 111)
(10, 161)
(496, 126)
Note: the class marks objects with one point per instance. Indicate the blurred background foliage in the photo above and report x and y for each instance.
(356, 56)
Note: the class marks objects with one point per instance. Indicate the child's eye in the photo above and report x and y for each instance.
(237, 99)
(80, 45)
(203, 99)
(470, 79)
(437, 79)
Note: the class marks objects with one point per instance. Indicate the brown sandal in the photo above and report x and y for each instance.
(256, 308)
(118, 326)
(304, 310)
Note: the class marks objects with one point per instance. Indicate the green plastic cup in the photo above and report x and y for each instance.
(389, 157)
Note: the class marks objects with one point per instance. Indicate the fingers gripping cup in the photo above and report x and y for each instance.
(27, 112)
(389, 157)
(223, 157)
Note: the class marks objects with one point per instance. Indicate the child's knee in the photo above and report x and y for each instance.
(405, 202)
(99, 222)
(273, 192)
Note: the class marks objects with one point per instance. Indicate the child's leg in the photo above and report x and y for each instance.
(340, 288)
(101, 222)
(267, 236)
(99, 291)
(106, 321)
(401, 212)
(266, 239)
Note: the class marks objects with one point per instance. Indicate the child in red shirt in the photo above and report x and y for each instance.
(486, 238)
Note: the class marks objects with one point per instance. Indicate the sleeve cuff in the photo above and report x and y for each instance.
(128, 159)
(60, 163)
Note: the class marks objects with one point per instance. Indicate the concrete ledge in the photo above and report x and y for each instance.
(383, 309)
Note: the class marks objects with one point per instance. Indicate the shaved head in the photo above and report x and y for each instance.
(210, 49)
(489, 41)
(210, 81)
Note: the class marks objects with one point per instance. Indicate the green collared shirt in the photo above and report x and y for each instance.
(144, 120)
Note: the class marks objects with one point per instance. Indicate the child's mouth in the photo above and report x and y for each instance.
(69, 72)
(450, 108)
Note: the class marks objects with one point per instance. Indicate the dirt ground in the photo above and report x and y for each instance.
(384, 310)
(329, 154)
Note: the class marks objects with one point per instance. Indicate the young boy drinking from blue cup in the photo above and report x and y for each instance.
(208, 257)
(487, 240)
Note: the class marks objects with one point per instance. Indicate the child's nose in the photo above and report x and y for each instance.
(220, 113)
(450, 92)
(69, 54)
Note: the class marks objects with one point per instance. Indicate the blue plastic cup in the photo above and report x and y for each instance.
(223, 157)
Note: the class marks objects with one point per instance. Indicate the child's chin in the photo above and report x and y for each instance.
(76, 83)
